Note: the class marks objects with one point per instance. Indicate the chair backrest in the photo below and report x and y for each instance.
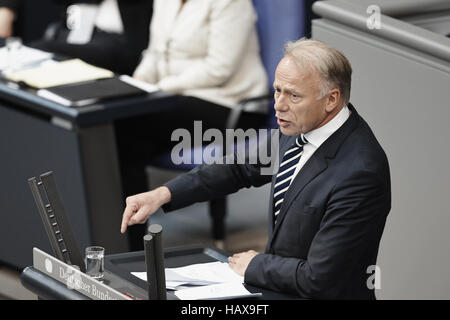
(278, 22)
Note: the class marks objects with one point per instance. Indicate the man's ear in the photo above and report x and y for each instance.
(333, 100)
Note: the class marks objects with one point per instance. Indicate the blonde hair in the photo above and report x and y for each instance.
(333, 67)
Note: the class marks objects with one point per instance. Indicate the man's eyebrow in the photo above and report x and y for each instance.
(288, 89)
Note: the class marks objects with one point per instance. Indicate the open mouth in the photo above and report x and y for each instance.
(282, 122)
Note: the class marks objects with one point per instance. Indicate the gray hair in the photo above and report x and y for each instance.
(333, 67)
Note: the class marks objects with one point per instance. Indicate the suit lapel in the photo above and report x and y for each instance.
(312, 168)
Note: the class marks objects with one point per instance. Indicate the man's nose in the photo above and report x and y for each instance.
(281, 103)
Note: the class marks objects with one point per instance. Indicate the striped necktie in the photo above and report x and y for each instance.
(286, 173)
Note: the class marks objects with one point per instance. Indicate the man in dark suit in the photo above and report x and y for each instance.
(116, 51)
(329, 199)
(27, 19)
(7, 16)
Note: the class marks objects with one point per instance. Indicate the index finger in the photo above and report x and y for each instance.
(130, 210)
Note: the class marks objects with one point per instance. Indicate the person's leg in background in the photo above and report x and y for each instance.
(214, 116)
(141, 138)
(138, 139)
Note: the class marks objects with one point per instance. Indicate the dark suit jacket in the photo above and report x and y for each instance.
(11, 4)
(32, 17)
(331, 221)
(120, 53)
(135, 14)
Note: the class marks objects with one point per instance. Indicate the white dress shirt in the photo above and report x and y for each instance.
(207, 49)
(318, 136)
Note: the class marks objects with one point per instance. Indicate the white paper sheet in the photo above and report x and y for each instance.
(23, 57)
(213, 272)
(215, 291)
(200, 274)
(173, 285)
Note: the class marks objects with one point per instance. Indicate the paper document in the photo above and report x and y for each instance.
(216, 291)
(21, 58)
(139, 84)
(213, 280)
(212, 272)
(200, 274)
(60, 73)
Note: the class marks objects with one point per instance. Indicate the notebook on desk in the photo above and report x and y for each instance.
(57, 73)
(89, 92)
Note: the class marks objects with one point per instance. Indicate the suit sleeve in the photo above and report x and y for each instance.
(353, 221)
(207, 182)
(14, 5)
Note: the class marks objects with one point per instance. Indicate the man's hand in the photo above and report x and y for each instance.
(141, 206)
(6, 22)
(240, 261)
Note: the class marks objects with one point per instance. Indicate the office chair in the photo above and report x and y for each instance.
(277, 23)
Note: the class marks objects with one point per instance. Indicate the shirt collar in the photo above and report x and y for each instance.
(318, 136)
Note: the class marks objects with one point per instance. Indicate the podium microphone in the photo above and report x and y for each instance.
(155, 230)
(150, 266)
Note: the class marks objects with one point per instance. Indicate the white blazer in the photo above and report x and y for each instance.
(208, 50)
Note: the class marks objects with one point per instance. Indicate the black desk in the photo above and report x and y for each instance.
(117, 274)
(78, 144)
